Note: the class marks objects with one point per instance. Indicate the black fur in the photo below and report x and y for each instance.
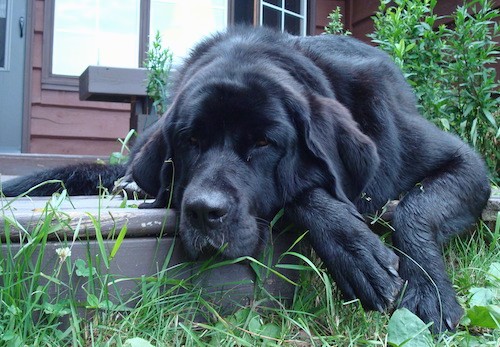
(326, 127)
(79, 179)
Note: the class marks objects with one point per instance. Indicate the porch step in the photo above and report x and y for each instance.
(115, 212)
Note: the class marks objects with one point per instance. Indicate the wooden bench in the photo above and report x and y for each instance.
(112, 84)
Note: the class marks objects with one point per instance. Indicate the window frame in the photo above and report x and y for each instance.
(8, 36)
(304, 28)
(52, 81)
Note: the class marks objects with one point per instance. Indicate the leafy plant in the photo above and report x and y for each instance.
(159, 63)
(449, 67)
(484, 302)
(122, 156)
(335, 26)
(406, 329)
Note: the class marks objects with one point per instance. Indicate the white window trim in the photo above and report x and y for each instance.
(8, 38)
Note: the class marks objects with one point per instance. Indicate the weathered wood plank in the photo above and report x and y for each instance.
(228, 286)
(489, 214)
(77, 213)
(77, 122)
(65, 98)
(101, 83)
(65, 146)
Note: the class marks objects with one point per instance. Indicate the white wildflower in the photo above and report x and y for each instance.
(63, 253)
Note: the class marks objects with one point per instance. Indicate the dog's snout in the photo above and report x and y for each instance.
(206, 210)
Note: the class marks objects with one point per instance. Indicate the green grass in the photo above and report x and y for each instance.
(77, 302)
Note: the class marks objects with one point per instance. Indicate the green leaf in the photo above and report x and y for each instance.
(445, 123)
(485, 316)
(482, 296)
(493, 275)
(254, 325)
(98, 235)
(117, 158)
(9, 335)
(118, 242)
(406, 329)
(137, 342)
(59, 309)
(271, 330)
(82, 270)
(92, 301)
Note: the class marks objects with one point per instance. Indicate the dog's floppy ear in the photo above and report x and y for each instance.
(333, 138)
(149, 161)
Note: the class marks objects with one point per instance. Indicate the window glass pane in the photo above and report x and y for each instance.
(184, 22)
(95, 32)
(292, 24)
(293, 5)
(274, 2)
(291, 17)
(271, 17)
(243, 12)
(3, 32)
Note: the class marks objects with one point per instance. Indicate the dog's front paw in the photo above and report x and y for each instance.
(368, 271)
(433, 303)
(128, 185)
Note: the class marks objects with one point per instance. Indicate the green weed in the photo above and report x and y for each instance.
(449, 67)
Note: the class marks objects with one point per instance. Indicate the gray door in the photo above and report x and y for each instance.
(12, 47)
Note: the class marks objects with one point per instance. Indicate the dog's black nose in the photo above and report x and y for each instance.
(206, 210)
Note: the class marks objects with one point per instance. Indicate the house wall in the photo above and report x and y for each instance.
(323, 8)
(59, 122)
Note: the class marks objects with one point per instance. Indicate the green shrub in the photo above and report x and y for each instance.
(335, 26)
(449, 66)
(159, 63)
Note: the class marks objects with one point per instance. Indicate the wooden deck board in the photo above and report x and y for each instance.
(77, 211)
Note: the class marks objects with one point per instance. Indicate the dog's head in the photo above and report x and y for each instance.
(238, 144)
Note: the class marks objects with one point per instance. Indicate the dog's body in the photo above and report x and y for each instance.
(327, 128)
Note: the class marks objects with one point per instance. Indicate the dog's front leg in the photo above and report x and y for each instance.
(362, 266)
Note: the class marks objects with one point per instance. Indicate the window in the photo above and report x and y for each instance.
(3, 34)
(184, 22)
(285, 15)
(94, 32)
(79, 33)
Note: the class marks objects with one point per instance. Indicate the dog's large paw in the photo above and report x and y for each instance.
(440, 307)
(127, 184)
(368, 270)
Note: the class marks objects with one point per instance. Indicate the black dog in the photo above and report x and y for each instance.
(327, 128)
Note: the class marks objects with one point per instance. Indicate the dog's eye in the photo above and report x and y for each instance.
(262, 142)
(193, 141)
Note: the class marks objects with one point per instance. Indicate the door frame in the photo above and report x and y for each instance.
(28, 73)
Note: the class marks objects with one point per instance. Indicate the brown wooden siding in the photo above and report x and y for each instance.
(323, 8)
(61, 123)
